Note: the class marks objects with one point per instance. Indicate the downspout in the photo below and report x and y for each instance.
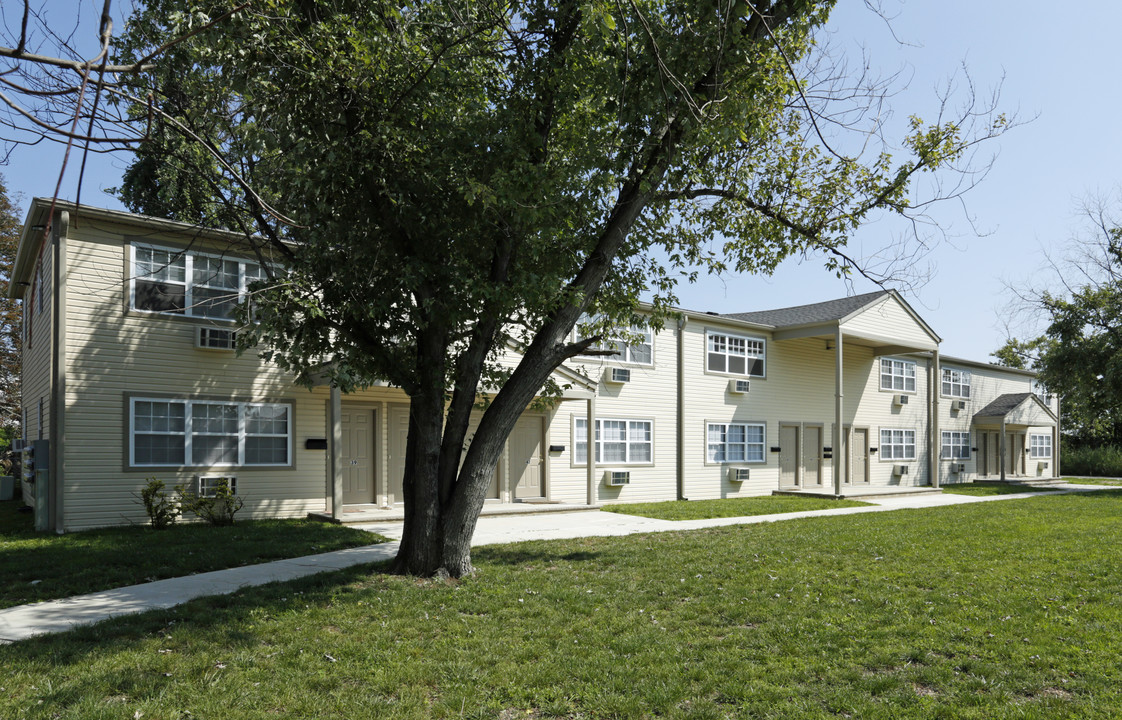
(935, 445)
(680, 449)
(839, 377)
(590, 448)
(1056, 441)
(58, 376)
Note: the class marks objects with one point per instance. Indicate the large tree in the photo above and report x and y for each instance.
(10, 320)
(448, 179)
(1079, 354)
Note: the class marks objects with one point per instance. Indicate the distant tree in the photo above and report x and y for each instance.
(1079, 355)
(10, 320)
(446, 179)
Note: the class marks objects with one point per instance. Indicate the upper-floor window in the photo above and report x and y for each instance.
(1040, 446)
(190, 283)
(897, 375)
(1040, 391)
(636, 349)
(897, 444)
(207, 434)
(956, 383)
(734, 354)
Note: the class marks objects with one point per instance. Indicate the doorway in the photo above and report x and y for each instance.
(526, 462)
(859, 456)
(788, 456)
(358, 454)
(812, 456)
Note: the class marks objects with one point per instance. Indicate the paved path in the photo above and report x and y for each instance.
(53, 616)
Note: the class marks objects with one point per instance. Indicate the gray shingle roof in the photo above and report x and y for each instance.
(1003, 405)
(808, 314)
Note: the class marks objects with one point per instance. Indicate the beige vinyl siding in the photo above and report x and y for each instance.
(650, 395)
(889, 319)
(36, 367)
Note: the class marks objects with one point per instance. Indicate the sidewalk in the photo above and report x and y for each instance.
(19, 623)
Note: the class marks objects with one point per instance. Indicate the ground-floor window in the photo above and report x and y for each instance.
(956, 445)
(735, 442)
(1040, 446)
(207, 434)
(618, 442)
(897, 444)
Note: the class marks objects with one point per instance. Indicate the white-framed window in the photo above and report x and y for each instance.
(1040, 391)
(1040, 446)
(186, 282)
(735, 442)
(205, 433)
(618, 442)
(637, 350)
(956, 445)
(956, 383)
(897, 375)
(897, 444)
(734, 354)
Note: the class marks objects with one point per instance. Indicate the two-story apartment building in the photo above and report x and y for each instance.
(129, 373)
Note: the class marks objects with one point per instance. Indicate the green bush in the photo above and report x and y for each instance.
(1102, 461)
(216, 509)
(162, 510)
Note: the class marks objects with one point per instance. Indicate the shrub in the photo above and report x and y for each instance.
(216, 509)
(161, 508)
(1101, 461)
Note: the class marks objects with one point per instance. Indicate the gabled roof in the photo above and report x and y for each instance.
(812, 314)
(1005, 404)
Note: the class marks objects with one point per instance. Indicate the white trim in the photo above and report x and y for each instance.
(947, 440)
(599, 459)
(1036, 450)
(189, 305)
(904, 444)
(903, 375)
(748, 356)
(963, 383)
(747, 445)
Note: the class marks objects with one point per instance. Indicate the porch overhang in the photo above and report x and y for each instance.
(880, 344)
(1015, 411)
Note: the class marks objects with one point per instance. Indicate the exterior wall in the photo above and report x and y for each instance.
(650, 395)
(888, 319)
(877, 410)
(36, 385)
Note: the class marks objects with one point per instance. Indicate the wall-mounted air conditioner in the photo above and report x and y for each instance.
(957, 468)
(1042, 466)
(738, 475)
(617, 376)
(739, 387)
(208, 485)
(210, 338)
(899, 470)
(617, 478)
(958, 405)
(899, 400)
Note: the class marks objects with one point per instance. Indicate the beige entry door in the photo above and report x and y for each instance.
(1015, 447)
(788, 456)
(399, 436)
(812, 456)
(358, 454)
(526, 459)
(859, 460)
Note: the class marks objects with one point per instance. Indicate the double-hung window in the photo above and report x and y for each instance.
(1040, 446)
(897, 375)
(735, 442)
(897, 444)
(618, 442)
(637, 349)
(956, 445)
(734, 354)
(190, 283)
(956, 383)
(175, 433)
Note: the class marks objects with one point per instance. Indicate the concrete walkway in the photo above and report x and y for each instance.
(53, 616)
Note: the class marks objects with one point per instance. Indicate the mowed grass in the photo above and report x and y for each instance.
(994, 610)
(729, 507)
(1094, 481)
(38, 566)
(986, 489)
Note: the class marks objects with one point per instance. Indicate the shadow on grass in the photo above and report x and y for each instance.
(528, 553)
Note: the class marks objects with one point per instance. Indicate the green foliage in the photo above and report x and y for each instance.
(11, 319)
(217, 507)
(1094, 461)
(161, 508)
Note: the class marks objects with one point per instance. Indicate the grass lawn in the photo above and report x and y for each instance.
(729, 507)
(995, 611)
(1095, 481)
(983, 489)
(42, 566)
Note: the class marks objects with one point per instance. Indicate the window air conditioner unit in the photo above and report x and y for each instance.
(617, 376)
(739, 387)
(899, 470)
(957, 468)
(738, 474)
(957, 405)
(1042, 465)
(207, 485)
(899, 400)
(617, 478)
(209, 338)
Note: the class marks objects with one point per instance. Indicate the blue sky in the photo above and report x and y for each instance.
(1056, 70)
